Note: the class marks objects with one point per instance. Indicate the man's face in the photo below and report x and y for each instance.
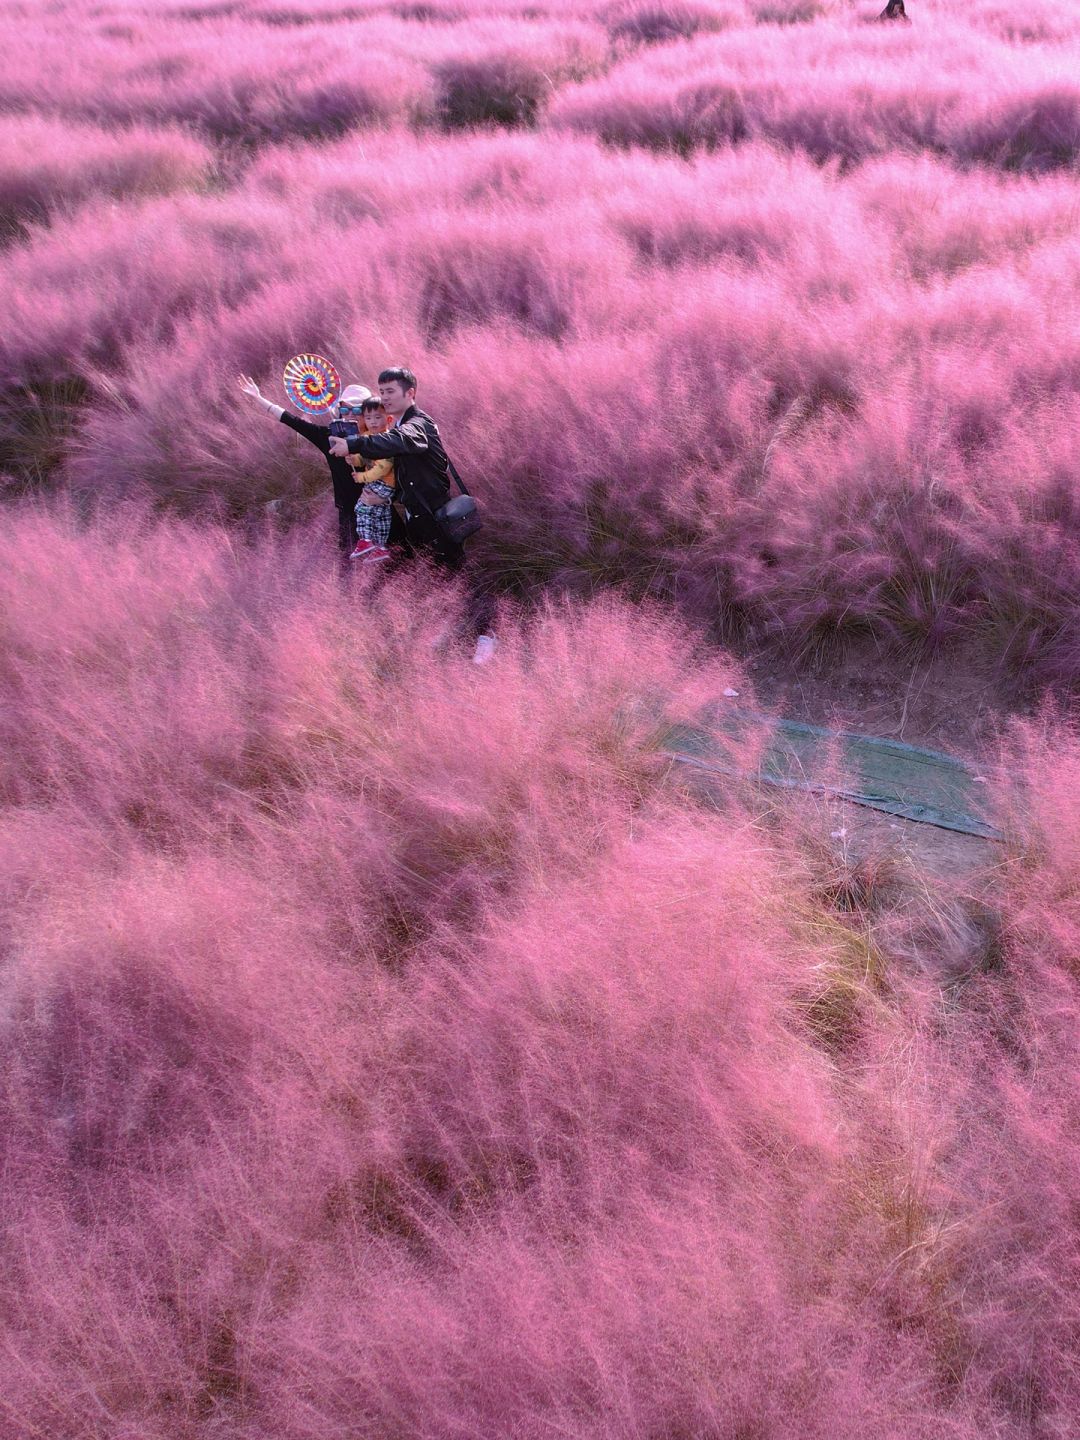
(396, 399)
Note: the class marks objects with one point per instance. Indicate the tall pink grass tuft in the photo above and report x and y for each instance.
(232, 81)
(82, 293)
(46, 166)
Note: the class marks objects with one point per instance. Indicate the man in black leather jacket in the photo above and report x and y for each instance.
(420, 465)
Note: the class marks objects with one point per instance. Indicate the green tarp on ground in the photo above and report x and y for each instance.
(887, 775)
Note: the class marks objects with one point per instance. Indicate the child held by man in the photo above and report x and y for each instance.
(377, 481)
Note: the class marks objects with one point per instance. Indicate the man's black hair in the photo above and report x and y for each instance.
(372, 403)
(405, 378)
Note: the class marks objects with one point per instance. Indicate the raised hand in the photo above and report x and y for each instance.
(248, 386)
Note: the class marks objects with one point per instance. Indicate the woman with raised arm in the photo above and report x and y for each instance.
(348, 422)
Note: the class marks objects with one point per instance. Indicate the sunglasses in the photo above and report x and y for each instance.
(350, 409)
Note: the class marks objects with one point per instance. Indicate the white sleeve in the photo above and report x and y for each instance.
(271, 409)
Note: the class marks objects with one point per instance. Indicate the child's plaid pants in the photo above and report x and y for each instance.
(373, 521)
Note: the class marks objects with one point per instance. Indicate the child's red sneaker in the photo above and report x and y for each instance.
(362, 549)
(377, 552)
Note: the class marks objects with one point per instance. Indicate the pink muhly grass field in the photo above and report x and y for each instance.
(826, 317)
(398, 1047)
(819, 308)
(47, 166)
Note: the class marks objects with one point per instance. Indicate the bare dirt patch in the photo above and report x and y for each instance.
(951, 701)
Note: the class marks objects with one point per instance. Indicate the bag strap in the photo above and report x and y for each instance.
(451, 467)
(453, 471)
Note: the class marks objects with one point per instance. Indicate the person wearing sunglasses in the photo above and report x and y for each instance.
(348, 422)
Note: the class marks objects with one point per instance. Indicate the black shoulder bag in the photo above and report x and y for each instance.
(459, 517)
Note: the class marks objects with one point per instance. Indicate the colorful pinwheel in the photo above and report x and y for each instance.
(312, 383)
